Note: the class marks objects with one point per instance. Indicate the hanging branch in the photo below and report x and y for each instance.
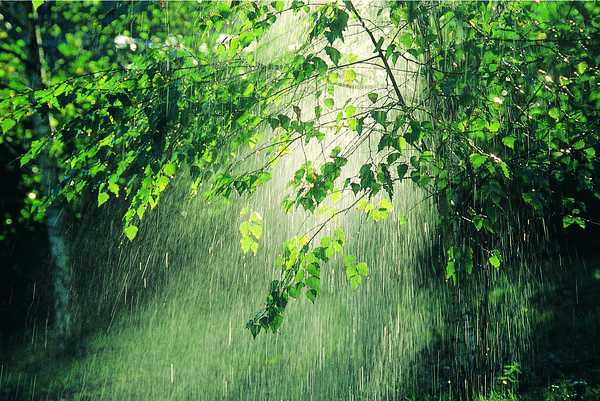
(379, 51)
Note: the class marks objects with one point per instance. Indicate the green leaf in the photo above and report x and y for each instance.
(477, 160)
(7, 124)
(245, 228)
(392, 157)
(406, 40)
(276, 323)
(278, 5)
(402, 143)
(102, 198)
(256, 230)
(295, 291)
(478, 222)
(333, 54)
(169, 169)
(36, 4)
(509, 142)
(495, 259)
(494, 126)
(402, 169)
(355, 281)
(367, 178)
(379, 116)
(114, 188)
(249, 90)
(161, 182)
(568, 220)
(253, 327)
(314, 283)
(504, 168)
(554, 113)
(353, 275)
(350, 110)
(349, 260)
(329, 103)
(311, 295)
(349, 76)
(247, 244)
(130, 232)
(373, 97)
(362, 269)
(386, 204)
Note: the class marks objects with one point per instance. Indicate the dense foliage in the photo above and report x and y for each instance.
(505, 120)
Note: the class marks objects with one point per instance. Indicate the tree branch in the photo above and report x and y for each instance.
(379, 51)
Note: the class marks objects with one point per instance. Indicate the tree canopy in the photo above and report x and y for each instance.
(501, 124)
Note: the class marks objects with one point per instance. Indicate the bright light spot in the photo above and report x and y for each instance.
(171, 41)
(548, 78)
(498, 100)
(123, 41)
(8, 221)
(223, 38)
(31, 195)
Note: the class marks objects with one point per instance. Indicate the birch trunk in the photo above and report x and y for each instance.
(55, 215)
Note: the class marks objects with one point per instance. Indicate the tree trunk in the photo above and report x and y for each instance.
(55, 215)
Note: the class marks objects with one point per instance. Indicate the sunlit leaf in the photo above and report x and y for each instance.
(130, 232)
